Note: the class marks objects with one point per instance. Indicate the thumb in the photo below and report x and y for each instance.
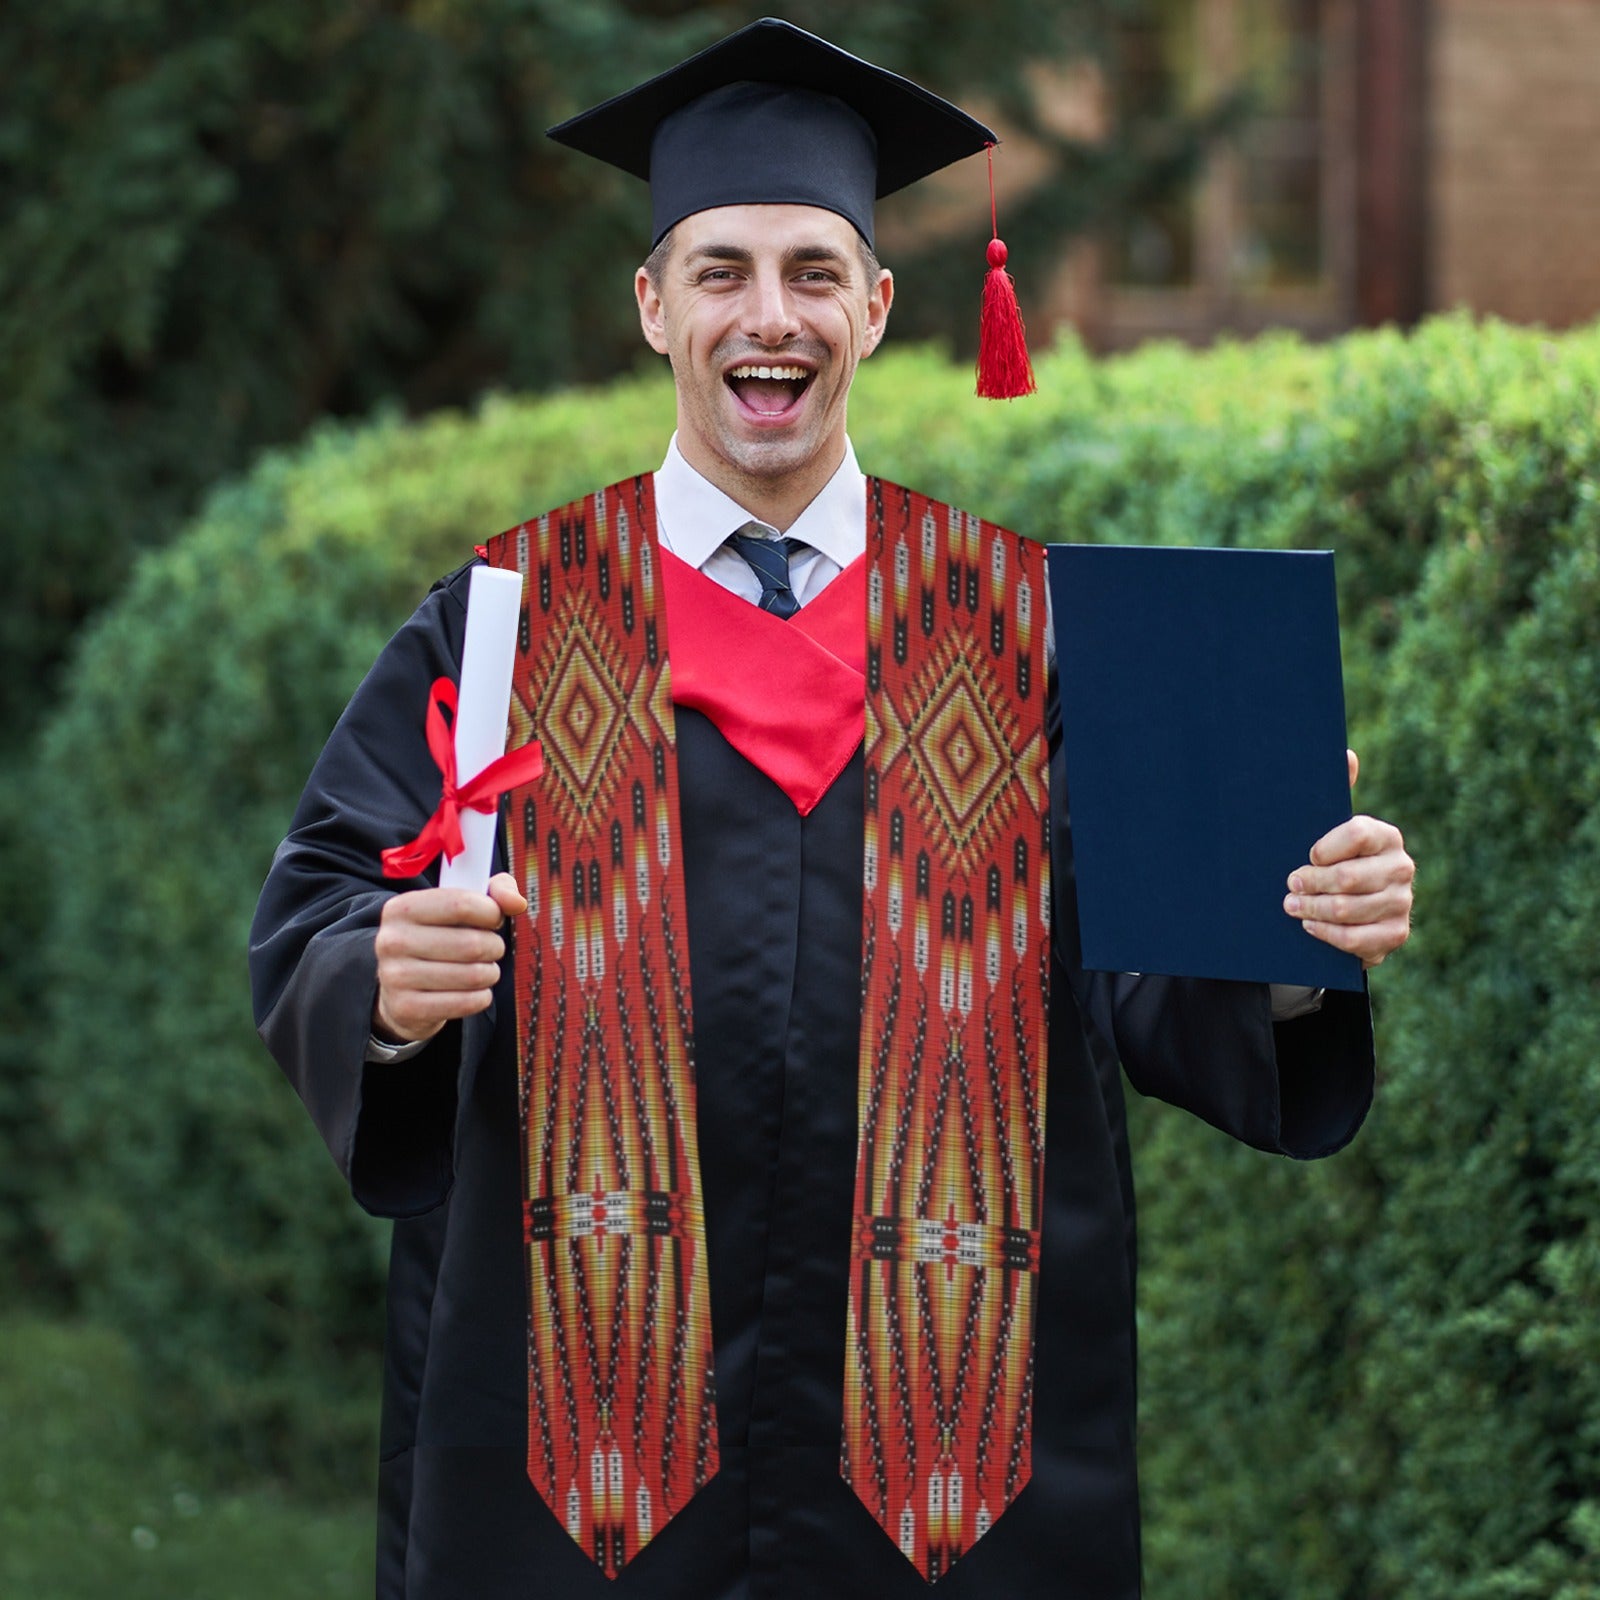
(504, 892)
(1354, 762)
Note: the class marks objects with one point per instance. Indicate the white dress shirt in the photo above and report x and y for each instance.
(694, 518)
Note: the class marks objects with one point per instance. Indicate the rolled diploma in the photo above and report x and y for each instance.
(494, 602)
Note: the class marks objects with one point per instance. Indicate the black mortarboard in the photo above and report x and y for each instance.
(774, 115)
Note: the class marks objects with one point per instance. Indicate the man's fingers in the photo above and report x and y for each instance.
(448, 908)
(1363, 889)
(1381, 905)
(416, 997)
(1356, 875)
(1353, 762)
(426, 941)
(413, 1014)
(437, 977)
(1355, 893)
(505, 893)
(1360, 836)
(1370, 941)
(438, 956)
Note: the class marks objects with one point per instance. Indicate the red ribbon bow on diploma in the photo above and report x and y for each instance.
(442, 831)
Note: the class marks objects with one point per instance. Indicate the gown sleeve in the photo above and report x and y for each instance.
(313, 965)
(1300, 1088)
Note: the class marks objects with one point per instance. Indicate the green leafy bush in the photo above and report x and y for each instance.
(1372, 1378)
(192, 1206)
(1377, 1377)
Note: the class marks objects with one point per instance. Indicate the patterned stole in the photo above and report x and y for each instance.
(938, 1386)
(621, 1398)
(944, 1257)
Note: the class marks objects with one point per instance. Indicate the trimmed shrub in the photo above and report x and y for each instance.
(194, 1206)
(1376, 1377)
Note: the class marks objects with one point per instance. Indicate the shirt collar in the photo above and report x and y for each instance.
(694, 517)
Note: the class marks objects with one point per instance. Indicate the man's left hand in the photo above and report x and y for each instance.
(1355, 893)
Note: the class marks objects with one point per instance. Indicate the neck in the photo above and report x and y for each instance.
(776, 500)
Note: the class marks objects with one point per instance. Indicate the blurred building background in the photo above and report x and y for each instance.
(1393, 158)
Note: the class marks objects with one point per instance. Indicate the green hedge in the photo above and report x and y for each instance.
(1371, 1378)
(1378, 1377)
(192, 1204)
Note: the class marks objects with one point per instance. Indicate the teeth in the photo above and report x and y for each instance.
(796, 374)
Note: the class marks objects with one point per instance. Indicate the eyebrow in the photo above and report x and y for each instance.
(796, 255)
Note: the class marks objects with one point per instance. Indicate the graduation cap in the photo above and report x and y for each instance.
(774, 115)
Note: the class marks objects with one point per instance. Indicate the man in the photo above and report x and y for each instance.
(398, 1023)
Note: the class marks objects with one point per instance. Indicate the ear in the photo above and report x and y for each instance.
(652, 315)
(879, 299)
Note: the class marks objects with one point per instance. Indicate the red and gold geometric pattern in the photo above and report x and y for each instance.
(621, 1408)
(945, 1244)
(945, 1248)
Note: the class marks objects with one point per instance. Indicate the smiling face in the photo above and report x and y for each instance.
(764, 311)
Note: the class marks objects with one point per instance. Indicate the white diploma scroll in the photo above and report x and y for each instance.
(494, 604)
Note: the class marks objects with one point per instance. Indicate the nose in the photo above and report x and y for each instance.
(771, 317)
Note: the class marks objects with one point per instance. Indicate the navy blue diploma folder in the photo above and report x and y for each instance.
(1202, 710)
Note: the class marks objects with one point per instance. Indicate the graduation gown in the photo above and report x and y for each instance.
(774, 915)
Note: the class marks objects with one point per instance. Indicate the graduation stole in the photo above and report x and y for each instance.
(947, 666)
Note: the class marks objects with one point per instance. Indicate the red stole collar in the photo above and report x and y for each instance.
(789, 696)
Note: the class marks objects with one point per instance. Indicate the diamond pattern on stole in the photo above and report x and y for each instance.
(945, 1247)
(621, 1405)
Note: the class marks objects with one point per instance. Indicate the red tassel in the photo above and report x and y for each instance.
(1004, 370)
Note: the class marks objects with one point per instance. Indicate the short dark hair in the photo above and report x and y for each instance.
(656, 262)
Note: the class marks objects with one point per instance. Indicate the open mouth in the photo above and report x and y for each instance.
(769, 391)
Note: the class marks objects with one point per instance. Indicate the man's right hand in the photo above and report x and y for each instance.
(438, 957)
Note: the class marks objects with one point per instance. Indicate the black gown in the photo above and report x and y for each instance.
(774, 912)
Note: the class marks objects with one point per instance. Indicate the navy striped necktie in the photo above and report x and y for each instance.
(769, 560)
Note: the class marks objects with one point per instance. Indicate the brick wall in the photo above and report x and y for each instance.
(1515, 158)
